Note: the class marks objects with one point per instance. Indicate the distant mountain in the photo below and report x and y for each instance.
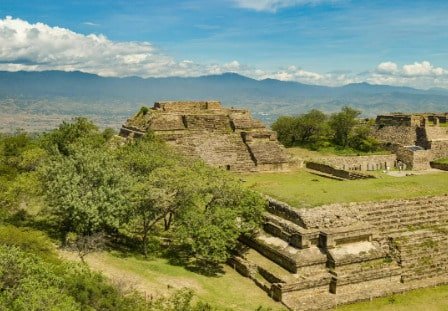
(73, 93)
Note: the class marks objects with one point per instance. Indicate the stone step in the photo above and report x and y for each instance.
(271, 271)
(290, 232)
(401, 208)
(405, 216)
(332, 237)
(354, 253)
(283, 254)
(285, 211)
(441, 215)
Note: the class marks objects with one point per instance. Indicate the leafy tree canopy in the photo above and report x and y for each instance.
(315, 130)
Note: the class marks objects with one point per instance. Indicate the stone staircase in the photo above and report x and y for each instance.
(217, 149)
(315, 259)
(422, 253)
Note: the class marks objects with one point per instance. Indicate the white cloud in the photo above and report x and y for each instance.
(90, 24)
(387, 67)
(26, 46)
(423, 69)
(274, 5)
(419, 74)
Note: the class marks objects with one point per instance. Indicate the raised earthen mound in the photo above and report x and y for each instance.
(222, 137)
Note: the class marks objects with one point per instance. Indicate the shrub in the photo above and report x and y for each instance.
(144, 111)
(28, 240)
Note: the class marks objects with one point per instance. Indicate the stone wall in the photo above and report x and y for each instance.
(343, 174)
(439, 149)
(392, 135)
(397, 132)
(416, 160)
(360, 163)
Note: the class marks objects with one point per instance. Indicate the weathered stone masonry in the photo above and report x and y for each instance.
(227, 138)
(401, 133)
(314, 259)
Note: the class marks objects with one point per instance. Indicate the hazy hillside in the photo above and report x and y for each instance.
(45, 96)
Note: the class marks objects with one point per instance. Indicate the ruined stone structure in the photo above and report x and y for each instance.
(227, 138)
(314, 259)
(360, 163)
(329, 171)
(416, 139)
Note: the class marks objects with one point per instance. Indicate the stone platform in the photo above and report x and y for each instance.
(318, 258)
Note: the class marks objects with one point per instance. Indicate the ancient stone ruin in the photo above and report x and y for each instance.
(224, 137)
(416, 139)
(318, 258)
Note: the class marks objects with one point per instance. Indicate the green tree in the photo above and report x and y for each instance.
(86, 191)
(342, 124)
(20, 156)
(26, 283)
(306, 129)
(285, 128)
(69, 135)
(311, 127)
(199, 207)
(223, 211)
(362, 139)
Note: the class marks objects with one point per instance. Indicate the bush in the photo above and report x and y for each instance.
(28, 240)
(144, 111)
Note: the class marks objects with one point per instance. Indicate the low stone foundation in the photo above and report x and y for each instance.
(338, 173)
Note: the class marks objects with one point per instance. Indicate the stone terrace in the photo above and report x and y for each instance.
(314, 259)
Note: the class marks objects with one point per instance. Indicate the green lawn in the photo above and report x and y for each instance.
(301, 188)
(427, 299)
(228, 291)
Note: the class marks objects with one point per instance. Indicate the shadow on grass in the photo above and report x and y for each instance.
(22, 219)
(124, 246)
(181, 256)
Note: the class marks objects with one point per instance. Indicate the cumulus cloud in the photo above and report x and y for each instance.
(31, 47)
(26, 46)
(387, 67)
(274, 5)
(419, 74)
(423, 69)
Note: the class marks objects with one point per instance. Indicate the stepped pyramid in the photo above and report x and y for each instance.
(318, 258)
(222, 137)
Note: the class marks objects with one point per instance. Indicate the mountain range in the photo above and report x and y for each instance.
(78, 93)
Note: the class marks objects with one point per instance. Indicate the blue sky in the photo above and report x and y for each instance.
(313, 41)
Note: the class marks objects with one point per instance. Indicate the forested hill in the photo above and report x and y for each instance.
(74, 93)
